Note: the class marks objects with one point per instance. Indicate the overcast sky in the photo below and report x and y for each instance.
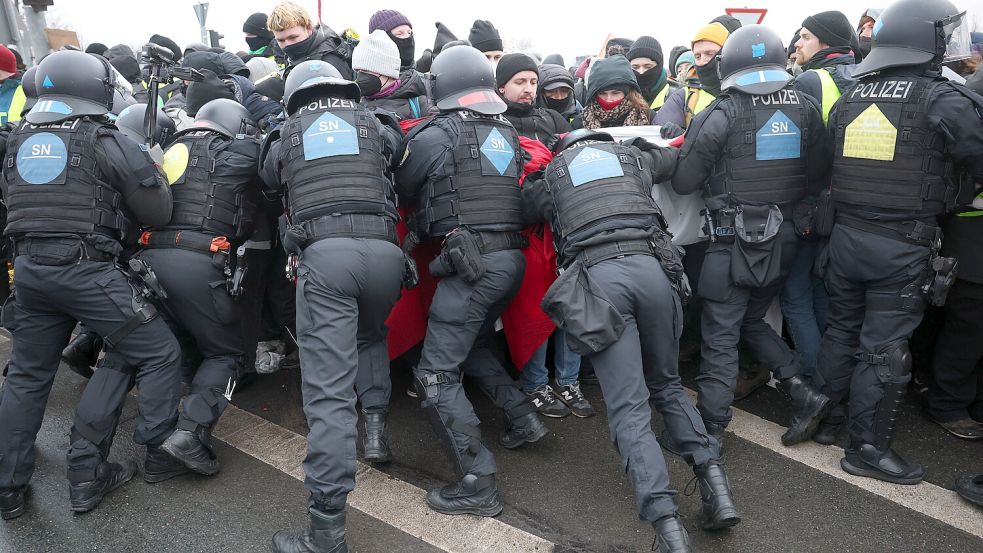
(551, 26)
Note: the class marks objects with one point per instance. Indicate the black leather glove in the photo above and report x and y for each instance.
(212, 88)
(671, 130)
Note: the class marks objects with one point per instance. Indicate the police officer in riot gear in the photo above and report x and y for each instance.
(754, 153)
(331, 159)
(611, 239)
(461, 171)
(211, 168)
(76, 189)
(82, 352)
(900, 136)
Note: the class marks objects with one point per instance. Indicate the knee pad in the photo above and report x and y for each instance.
(892, 362)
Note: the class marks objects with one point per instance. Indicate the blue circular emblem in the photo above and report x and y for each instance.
(42, 158)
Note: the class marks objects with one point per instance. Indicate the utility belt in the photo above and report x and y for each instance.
(913, 232)
(940, 272)
(218, 247)
(296, 237)
(592, 255)
(720, 225)
(462, 250)
(659, 246)
(67, 250)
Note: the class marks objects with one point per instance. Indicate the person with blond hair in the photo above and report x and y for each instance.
(296, 33)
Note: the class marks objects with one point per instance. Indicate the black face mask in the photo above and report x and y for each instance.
(368, 84)
(257, 42)
(559, 106)
(300, 49)
(648, 79)
(865, 45)
(407, 49)
(709, 79)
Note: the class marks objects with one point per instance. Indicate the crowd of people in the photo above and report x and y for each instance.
(623, 213)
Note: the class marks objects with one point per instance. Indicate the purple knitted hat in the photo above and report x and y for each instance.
(387, 20)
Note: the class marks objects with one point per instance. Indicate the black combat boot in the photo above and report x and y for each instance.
(523, 430)
(193, 448)
(159, 466)
(671, 536)
(471, 496)
(809, 407)
(718, 500)
(82, 353)
(881, 464)
(830, 428)
(326, 534)
(85, 495)
(12, 502)
(375, 445)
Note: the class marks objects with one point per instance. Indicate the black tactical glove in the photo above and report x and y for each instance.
(671, 130)
(212, 88)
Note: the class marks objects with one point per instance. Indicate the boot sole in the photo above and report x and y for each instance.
(157, 477)
(492, 511)
(185, 458)
(12, 513)
(95, 501)
(726, 520)
(811, 428)
(531, 439)
(377, 459)
(555, 415)
(956, 433)
(877, 475)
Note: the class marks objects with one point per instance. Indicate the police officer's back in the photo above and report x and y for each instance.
(331, 159)
(754, 152)
(76, 190)
(461, 172)
(900, 135)
(211, 168)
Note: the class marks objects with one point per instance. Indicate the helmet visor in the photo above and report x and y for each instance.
(958, 43)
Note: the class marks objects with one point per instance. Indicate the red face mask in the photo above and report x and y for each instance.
(605, 105)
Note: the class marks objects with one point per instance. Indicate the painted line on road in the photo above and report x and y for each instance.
(928, 499)
(378, 495)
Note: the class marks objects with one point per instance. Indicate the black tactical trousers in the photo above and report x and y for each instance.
(460, 330)
(346, 288)
(202, 310)
(733, 313)
(867, 277)
(957, 387)
(49, 301)
(643, 366)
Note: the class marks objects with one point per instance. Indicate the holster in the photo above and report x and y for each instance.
(941, 274)
(465, 254)
(411, 274)
(235, 272)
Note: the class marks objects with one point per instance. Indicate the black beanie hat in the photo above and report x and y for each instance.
(127, 66)
(444, 35)
(256, 25)
(165, 42)
(831, 27)
(646, 47)
(97, 48)
(610, 73)
(555, 59)
(484, 36)
(512, 64)
(729, 22)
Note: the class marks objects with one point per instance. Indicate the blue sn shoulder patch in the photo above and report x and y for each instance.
(779, 138)
(42, 158)
(330, 135)
(498, 151)
(592, 164)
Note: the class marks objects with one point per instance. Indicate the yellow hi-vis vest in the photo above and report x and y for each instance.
(831, 92)
(15, 108)
(697, 100)
(660, 98)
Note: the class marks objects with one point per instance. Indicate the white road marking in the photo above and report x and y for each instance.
(377, 494)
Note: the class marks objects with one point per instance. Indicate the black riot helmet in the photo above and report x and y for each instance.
(753, 61)
(223, 116)
(316, 73)
(130, 123)
(463, 78)
(579, 135)
(917, 32)
(70, 84)
(30, 89)
(120, 103)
